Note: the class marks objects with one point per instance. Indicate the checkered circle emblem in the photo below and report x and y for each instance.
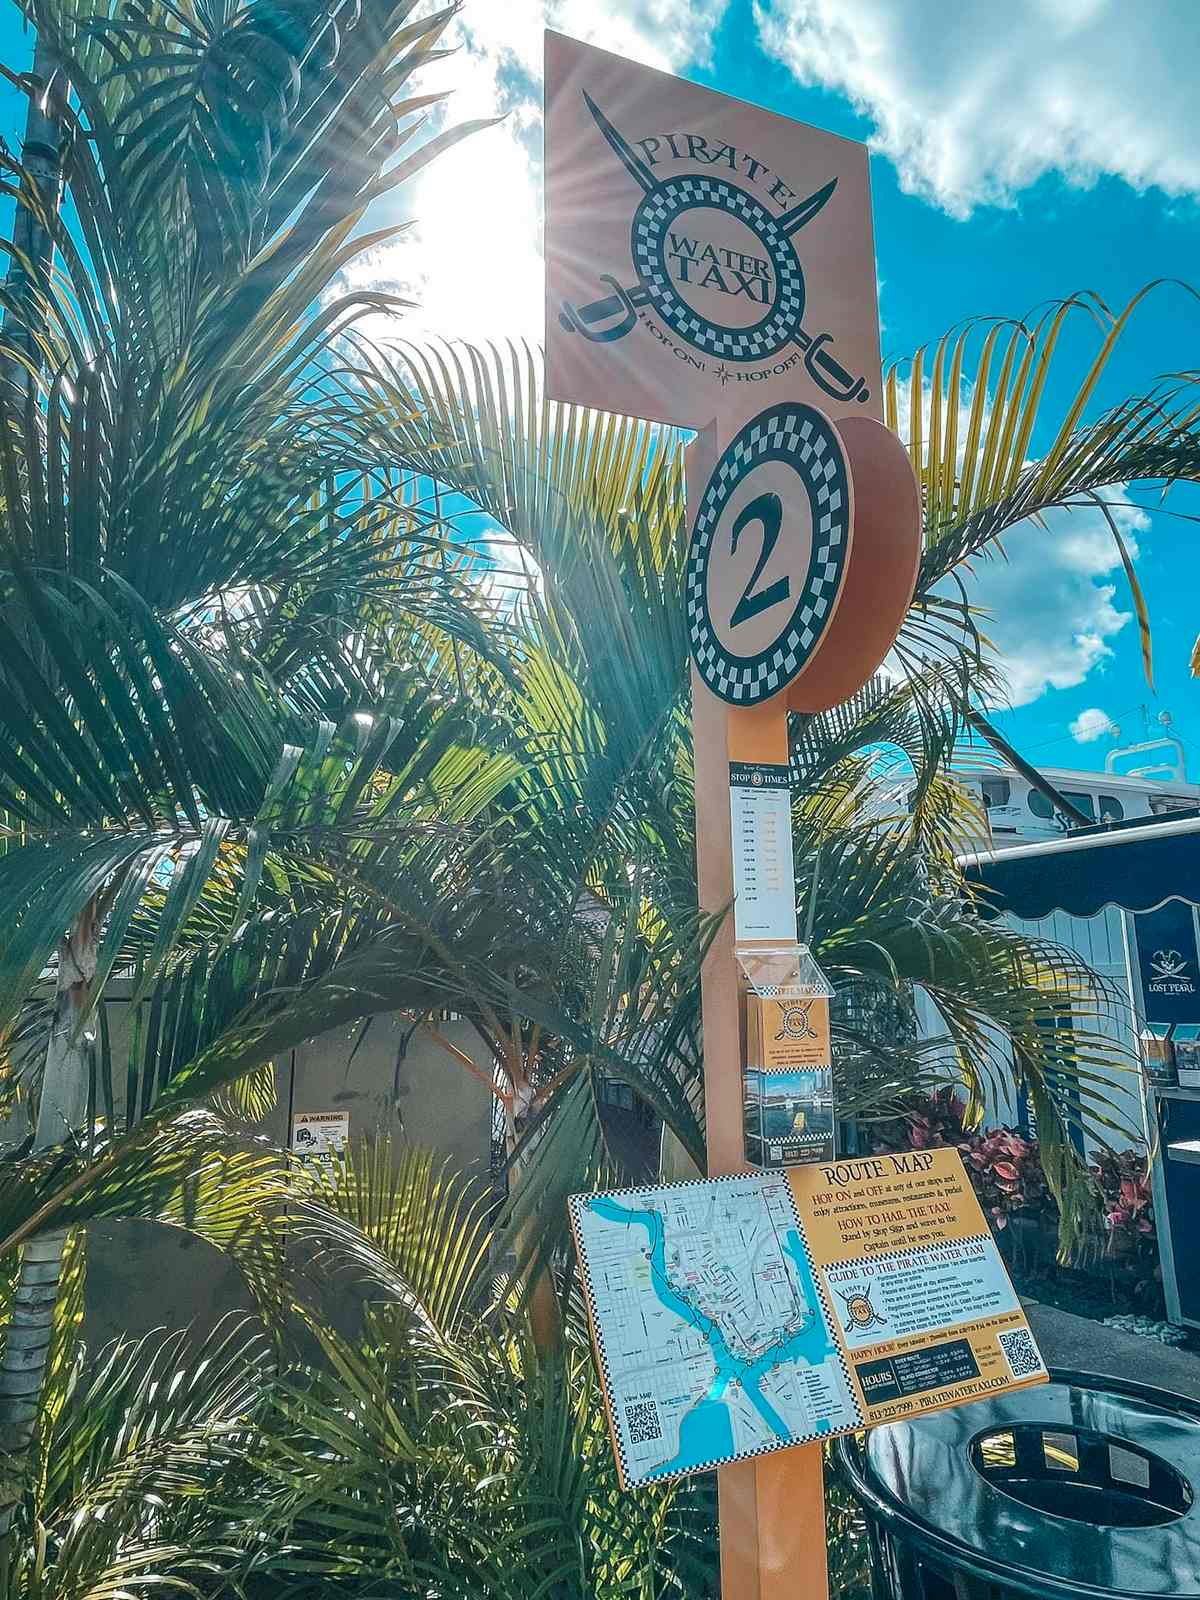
(652, 222)
(803, 438)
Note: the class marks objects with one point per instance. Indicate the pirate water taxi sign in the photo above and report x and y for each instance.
(700, 259)
(711, 266)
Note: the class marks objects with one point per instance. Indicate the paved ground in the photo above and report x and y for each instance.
(1086, 1346)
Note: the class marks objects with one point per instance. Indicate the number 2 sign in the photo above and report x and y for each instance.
(803, 557)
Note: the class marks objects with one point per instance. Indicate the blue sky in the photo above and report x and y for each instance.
(1020, 153)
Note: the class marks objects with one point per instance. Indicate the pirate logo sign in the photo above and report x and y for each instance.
(719, 270)
(1168, 964)
(860, 1313)
(794, 1023)
(703, 256)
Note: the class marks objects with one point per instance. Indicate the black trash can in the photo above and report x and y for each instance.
(1086, 1486)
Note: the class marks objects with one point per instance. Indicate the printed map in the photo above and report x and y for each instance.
(712, 1335)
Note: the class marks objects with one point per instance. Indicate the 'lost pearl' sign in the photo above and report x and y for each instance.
(703, 257)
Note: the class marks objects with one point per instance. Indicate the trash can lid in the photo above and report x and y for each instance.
(1081, 1486)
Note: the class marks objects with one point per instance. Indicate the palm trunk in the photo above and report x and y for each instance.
(61, 1112)
(545, 1315)
(40, 157)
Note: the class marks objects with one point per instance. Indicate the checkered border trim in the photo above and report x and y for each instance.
(803, 438)
(575, 1205)
(791, 991)
(648, 244)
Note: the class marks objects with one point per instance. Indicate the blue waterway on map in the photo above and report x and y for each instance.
(706, 1430)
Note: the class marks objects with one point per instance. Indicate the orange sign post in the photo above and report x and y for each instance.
(711, 265)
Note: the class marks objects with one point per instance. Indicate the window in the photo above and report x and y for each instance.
(996, 792)
(615, 1093)
(1085, 802)
(1042, 807)
(1111, 809)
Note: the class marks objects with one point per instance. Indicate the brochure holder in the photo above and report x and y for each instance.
(1158, 1052)
(788, 1070)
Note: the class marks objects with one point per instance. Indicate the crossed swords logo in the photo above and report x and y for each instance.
(861, 1312)
(1168, 964)
(663, 201)
(795, 1023)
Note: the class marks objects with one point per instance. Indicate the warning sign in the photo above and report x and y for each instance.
(319, 1135)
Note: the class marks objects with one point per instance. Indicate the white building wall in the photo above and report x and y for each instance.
(1100, 941)
(1017, 815)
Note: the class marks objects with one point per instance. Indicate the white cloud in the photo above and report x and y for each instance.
(975, 102)
(507, 572)
(472, 261)
(1054, 598)
(1091, 725)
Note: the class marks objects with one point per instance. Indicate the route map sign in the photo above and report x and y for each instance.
(740, 1315)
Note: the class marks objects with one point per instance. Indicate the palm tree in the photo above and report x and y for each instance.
(185, 494)
(591, 506)
(441, 1449)
(262, 744)
(583, 858)
(459, 1448)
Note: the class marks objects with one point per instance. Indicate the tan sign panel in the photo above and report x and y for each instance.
(787, 1033)
(703, 257)
(924, 1306)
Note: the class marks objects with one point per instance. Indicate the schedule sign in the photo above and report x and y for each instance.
(764, 878)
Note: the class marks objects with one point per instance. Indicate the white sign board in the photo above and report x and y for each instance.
(764, 879)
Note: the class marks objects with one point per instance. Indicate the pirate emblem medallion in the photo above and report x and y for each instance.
(718, 268)
(860, 1313)
(794, 1023)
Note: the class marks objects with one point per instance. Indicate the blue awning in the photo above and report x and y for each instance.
(1137, 865)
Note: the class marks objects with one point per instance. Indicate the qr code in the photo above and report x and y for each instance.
(641, 1418)
(1020, 1352)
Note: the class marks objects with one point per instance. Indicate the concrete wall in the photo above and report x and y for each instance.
(141, 1276)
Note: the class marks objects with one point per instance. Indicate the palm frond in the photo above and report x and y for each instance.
(429, 1223)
